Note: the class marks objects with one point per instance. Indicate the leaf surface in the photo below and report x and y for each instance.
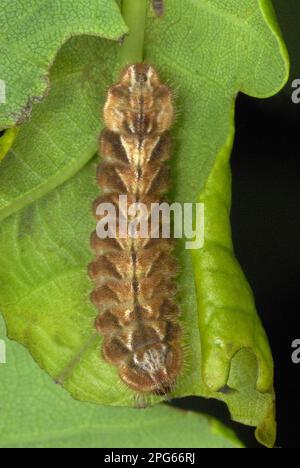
(30, 37)
(37, 414)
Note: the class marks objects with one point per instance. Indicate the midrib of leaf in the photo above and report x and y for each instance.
(134, 15)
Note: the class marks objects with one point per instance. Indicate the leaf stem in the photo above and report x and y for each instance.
(134, 13)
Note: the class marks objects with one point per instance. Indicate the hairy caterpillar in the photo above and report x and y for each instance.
(134, 276)
(158, 7)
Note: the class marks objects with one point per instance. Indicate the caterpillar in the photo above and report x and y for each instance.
(134, 277)
(158, 7)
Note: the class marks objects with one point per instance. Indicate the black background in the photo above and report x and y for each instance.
(266, 229)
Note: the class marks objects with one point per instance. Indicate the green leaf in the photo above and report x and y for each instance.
(37, 414)
(63, 133)
(288, 15)
(30, 38)
(208, 51)
(6, 141)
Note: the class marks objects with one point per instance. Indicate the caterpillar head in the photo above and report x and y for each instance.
(139, 105)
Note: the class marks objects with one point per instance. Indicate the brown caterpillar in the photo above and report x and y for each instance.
(134, 277)
(158, 7)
